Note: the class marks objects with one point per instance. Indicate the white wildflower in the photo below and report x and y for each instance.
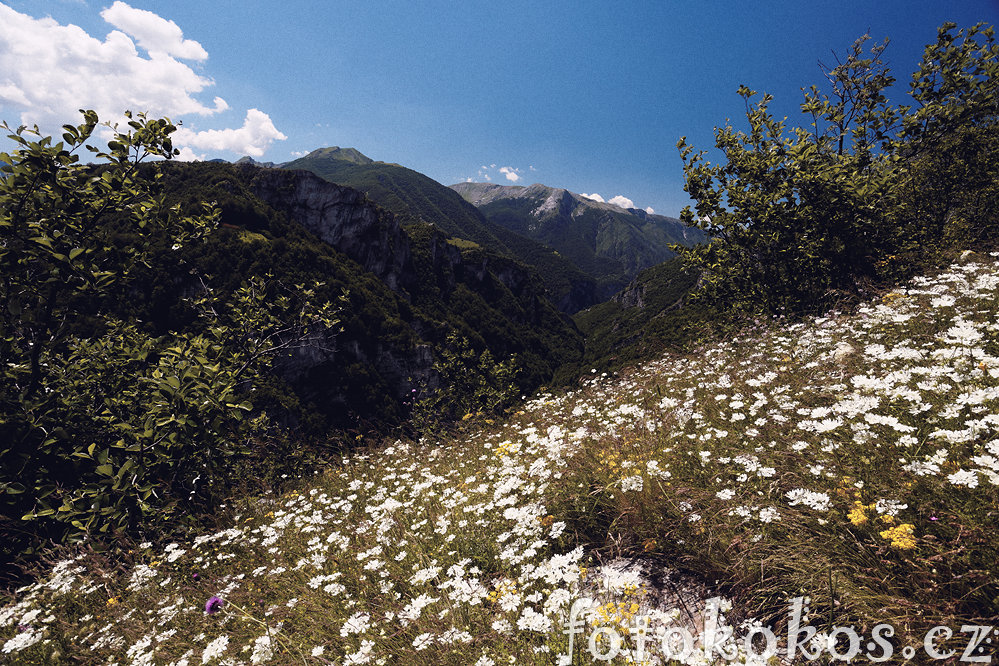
(215, 649)
(963, 478)
(814, 500)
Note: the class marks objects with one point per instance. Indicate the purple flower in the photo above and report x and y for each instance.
(214, 605)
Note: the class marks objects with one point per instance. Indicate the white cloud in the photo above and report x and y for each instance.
(188, 155)
(622, 201)
(48, 71)
(510, 173)
(650, 210)
(593, 197)
(253, 138)
(153, 33)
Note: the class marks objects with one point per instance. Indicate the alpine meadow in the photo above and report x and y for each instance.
(333, 411)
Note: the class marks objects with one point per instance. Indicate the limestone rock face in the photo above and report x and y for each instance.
(342, 217)
(631, 297)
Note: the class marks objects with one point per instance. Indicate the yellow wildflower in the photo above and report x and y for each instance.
(858, 514)
(901, 536)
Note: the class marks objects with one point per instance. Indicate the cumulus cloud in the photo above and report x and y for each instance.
(622, 201)
(510, 173)
(188, 155)
(593, 197)
(253, 138)
(48, 71)
(650, 210)
(153, 33)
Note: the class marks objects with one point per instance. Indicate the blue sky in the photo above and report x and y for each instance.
(590, 96)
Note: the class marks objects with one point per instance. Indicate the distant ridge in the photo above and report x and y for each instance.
(351, 155)
(608, 242)
(246, 159)
(415, 198)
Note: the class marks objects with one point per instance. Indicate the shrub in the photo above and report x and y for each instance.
(861, 193)
(104, 426)
(470, 384)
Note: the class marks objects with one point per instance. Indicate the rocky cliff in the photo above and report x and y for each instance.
(340, 216)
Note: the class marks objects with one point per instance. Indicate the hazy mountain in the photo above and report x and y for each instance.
(608, 242)
(415, 198)
(246, 159)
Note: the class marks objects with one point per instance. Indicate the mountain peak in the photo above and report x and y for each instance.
(246, 159)
(343, 154)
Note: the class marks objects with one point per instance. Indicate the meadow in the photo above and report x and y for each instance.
(849, 463)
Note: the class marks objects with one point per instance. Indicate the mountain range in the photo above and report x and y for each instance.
(608, 242)
(583, 250)
(515, 270)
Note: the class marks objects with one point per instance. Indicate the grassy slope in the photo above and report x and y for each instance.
(618, 334)
(415, 198)
(853, 460)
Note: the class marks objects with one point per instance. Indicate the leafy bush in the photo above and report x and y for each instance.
(105, 425)
(470, 384)
(799, 218)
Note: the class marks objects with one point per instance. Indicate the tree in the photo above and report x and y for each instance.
(469, 384)
(106, 428)
(950, 191)
(801, 217)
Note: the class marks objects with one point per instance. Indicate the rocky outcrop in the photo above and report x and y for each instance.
(342, 217)
(633, 296)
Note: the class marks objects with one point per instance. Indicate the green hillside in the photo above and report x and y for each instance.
(414, 197)
(382, 327)
(649, 316)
